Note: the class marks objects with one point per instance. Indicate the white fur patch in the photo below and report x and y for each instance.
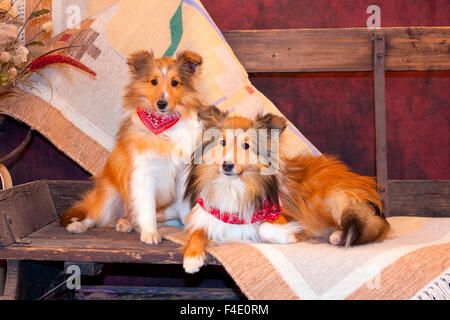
(185, 133)
(150, 237)
(112, 208)
(193, 264)
(279, 233)
(80, 226)
(220, 231)
(229, 199)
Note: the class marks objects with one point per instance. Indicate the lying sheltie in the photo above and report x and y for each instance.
(158, 132)
(235, 199)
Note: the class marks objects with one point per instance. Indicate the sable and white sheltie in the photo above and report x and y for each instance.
(159, 130)
(306, 197)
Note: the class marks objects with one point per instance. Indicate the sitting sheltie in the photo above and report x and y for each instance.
(156, 137)
(235, 199)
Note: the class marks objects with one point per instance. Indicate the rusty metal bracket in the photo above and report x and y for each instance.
(380, 117)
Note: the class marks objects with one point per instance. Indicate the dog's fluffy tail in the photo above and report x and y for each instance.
(74, 214)
(362, 224)
(99, 206)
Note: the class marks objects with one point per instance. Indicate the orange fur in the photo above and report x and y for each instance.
(152, 80)
(196, 244)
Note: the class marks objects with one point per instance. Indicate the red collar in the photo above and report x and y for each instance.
(156, 122)
(269, 211)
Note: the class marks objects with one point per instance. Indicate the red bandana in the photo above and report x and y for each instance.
(156, 122)
(269, 211)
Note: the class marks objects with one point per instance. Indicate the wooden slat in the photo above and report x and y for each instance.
(23, 210)
(27, 280)
(2, 276)
(54, 243)
(379, 89)
(423, 198)
(65, 192)
(312, 50)
(158, 293)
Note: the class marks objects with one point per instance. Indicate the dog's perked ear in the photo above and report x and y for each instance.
(270, 121)
(189, 61)
(212, 117)
(140, 62)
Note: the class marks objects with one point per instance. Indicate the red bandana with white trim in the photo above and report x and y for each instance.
(157, 122)
(269, 211)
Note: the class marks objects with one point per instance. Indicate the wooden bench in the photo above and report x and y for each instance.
(29, 229)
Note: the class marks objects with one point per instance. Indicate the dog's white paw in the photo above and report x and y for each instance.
(192, 264)
(290, 238)
(77, 227)
(277, 233)
(123, 225)
(150, 237)
(337, 238)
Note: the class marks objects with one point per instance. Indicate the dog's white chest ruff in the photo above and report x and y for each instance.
(185, 135)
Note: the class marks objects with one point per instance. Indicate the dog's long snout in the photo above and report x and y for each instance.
(162, 105)
(227, 167)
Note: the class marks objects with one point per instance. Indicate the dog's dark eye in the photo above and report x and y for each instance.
(245, 146)
(174, 83)
(154, 82)
(223, 143)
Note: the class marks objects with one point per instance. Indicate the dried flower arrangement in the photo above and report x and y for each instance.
(18, 62)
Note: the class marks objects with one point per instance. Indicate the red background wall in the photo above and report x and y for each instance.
(333, 110)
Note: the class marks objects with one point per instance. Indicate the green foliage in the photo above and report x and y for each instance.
(38, 13)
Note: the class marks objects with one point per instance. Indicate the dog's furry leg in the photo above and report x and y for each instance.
(143, 198)
(100, 206)
(180, 208)
(194, 253)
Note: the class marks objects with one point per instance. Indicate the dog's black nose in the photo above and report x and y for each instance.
(227, 167)
(162, 105)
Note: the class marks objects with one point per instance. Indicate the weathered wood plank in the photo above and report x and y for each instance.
(315, 50)
(424, 198)
(2, 276)
(12, 281)
(86, 268)
(53, 242)
(27, 280)
(156, 293)
(65, 192)
(23, 210)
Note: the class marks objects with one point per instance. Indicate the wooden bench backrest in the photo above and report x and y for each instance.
(336, 50)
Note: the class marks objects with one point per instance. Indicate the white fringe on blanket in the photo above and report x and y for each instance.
(438, 289)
